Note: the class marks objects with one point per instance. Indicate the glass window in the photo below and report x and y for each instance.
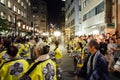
(21, 13)
(24, 14)
(29, 4)
(72, 11)
(100, 8)
(9, 4)
(92, 13)
(18, 11)
(72, 22)
(84, 17)
(79, 7)
(2, 14)
(18, 1)
(22, 3)
(2, 1)
(27, 1)
(24, 7)
(9, 18)
(14, 8)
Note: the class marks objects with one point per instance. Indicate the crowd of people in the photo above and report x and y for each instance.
(94, 56)
(28, 58)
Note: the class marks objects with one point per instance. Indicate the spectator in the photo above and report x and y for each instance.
(103, 46)
(111, 47)
(95, 68)
(117, 50)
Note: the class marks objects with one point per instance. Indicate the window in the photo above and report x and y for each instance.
(29, 4)
(18, 11)
(85, 3)
(9, 4)
(18, 1)
(21, 13)
(22, 4)
(2, 1)
(72, 22)
(9, 18)
(69, 25)
(100, 8)
(71, 1)
(72, 11)
(84, 17)
(68, 16)
(79, 7)
(14, 8)
(24, 14)
(2, 14)
(27, 1)
(94, 11)
(42, 20)
(24, 7)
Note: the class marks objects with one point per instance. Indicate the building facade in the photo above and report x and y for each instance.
(39, 15)
(97, 17)
(116, 14)
(17, 12)
(72, 17)
(62, 15)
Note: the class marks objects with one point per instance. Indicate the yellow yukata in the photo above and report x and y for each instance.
(13, 70)
(58, 54)
(82, 57)
(41, 71)
(1, 57)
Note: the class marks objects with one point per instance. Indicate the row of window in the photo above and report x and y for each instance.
(10, 3)
(71, 13)
(14, 8)
(98, 9)
(9, 17)
(71, 23)
(3, 15)
(69, 5)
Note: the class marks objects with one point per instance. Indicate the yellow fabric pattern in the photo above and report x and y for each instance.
(1, 59)
(38, 72)
(20, 48)
(58, 54)
(6, 74)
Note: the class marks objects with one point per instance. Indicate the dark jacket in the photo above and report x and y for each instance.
(103, 47)
(99, 72)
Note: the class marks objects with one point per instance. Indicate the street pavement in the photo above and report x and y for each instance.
(68, 67)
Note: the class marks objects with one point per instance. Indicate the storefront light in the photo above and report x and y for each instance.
(23, 26)
(19, 24)
(57, 33)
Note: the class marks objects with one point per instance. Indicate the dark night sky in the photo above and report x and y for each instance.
(53, 7)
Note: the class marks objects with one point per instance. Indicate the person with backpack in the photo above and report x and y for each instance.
(43, 68)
